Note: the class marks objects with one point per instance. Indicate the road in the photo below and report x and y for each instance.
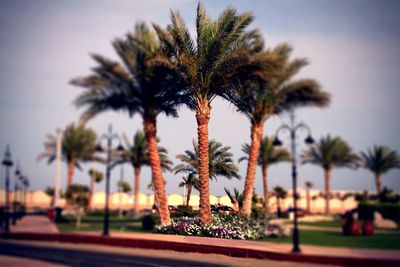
(58, 254)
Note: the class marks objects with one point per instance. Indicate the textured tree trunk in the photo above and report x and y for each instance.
(327, 190)
(203, 117)
(308, 199)
(150, 130)
(256, 134)
(91, 191)
(189, 192)
(71, 168)
(136, 190)
(265, 183)
(78, 217)
(378, 182)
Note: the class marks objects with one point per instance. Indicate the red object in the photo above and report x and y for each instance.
(368, 228)
(354, 228)
(50, 214)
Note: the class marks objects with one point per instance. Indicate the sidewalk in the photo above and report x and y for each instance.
(237, 248)
(34, 224)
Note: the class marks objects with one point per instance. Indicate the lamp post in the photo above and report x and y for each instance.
(7, 163)
(293, 127)
(15, 199)
(110, 136)
(26, 184)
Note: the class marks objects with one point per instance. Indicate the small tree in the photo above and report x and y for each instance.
(77, 196)
(95, 177)
(280, 193)
(50, 192)
(309, 185)
(190, 182)
(124, 187)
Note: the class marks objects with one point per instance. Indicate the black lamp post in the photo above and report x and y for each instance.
(26, 184)
(15, 199)
(7, 163)
(293, 128)
(110, 136)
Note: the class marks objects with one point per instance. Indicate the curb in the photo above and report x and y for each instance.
(201, 248)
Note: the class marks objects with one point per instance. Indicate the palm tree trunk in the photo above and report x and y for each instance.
(71, 169)
(136, 190)
(203, 117)
(327, 190)
(265, 183)
(150, 130)
(256, 134)
(308, 199)
(189, 192)
(378, 182)
(91, 191)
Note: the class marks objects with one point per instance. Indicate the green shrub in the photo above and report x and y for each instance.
(389, 211)
(185, 208)
(149, 221)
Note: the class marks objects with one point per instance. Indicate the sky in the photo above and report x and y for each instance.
(353, 47)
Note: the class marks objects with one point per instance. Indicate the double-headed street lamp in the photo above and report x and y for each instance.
(7, 163)
(293, 128)
(110, 136)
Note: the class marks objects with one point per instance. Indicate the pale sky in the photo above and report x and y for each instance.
(353, 47)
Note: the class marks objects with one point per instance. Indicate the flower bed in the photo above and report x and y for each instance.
(221, 226)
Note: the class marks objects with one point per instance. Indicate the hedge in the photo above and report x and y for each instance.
(389, 211)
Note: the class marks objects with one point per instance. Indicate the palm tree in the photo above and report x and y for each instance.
(190, 182)
(78, 145)
(273, 93)
(328, 153)
(268, 155)
(95, 177)
(379, 160)
(137, 154)
(280, 193)
(237, 199)
(138, 86)
(220, 163)
(208, 66)
(309, 185)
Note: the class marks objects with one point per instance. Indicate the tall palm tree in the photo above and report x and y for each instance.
(191, 181)
(260, 98)
(268, 155)
(137, 154)
(208, 66)
(280, 193)
(309, 185)
(138, 86)
(220, 163)
(379, 160)
(328, 153)
(78, 145)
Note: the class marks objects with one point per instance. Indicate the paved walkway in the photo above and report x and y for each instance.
(40, 224)
(34, 224)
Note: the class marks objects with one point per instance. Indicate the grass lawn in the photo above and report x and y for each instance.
(70, 227)
(336, 239)
(335, 223)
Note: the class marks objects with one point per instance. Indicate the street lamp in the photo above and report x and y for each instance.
(293, 127)
(7, 163)
(26, 184)
(110, 136)
(15, 199)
